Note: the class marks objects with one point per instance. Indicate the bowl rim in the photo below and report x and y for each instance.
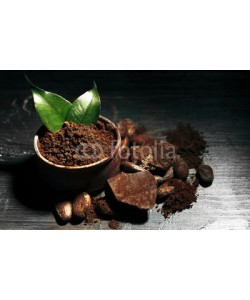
(99, 162)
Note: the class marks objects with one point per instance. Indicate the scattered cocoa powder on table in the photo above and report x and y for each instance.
(190, 144)
(70, 145)
(183, 196)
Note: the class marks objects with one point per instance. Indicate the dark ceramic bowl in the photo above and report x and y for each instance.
(87, 178)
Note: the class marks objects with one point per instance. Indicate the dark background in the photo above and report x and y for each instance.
(215, 102)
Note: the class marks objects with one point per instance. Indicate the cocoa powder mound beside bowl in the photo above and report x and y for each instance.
(190, 144)
(77, 144)
(183, 196)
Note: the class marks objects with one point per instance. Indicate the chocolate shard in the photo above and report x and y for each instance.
(159, 157)
(136, 189)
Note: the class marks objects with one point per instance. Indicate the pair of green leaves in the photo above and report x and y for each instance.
(54, 110)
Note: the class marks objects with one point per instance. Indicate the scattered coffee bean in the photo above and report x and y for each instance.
(136, 189)
(164, 190)
(80, 205)
(130, 167)
(181, 169)
(64, 210)
(205, 175)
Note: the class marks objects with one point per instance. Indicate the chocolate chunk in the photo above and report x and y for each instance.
(159, 157)
(136, 189)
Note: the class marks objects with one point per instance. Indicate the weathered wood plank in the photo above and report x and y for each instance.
(215, 102)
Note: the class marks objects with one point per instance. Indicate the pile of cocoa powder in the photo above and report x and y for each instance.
(77, 144)
(189, 142)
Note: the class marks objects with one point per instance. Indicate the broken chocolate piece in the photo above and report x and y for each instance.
(136, 189)
(158, 157)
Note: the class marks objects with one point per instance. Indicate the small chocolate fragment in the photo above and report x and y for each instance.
(64, 210)
(81, 204)
(162, 179)
(164, 190)
(181, 169)
(169, 174)
(104, 209)
(113, 224)
(130, 167)
(205, 175)
(125, 142)
(98, 196)
(136, 189)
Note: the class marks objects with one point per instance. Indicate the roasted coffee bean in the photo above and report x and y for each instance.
(205, 175)
(181, 169)
(130, 167)
(64, 210)
(81, 204)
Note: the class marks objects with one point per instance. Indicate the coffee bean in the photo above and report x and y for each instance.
(81, 203)
(205, 175)
(181, 169)
(64, 210)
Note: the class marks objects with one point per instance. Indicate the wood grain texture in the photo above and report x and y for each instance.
(215, 102)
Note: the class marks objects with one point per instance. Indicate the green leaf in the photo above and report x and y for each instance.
(51, 108)
(86, 108)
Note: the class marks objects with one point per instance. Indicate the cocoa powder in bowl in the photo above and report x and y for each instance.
(77, 144)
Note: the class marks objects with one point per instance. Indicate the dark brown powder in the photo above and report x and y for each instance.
(113, 224)
(182, 198)
(190, 144)
(77, 144)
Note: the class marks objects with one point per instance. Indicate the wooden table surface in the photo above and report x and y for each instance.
(215, 102)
